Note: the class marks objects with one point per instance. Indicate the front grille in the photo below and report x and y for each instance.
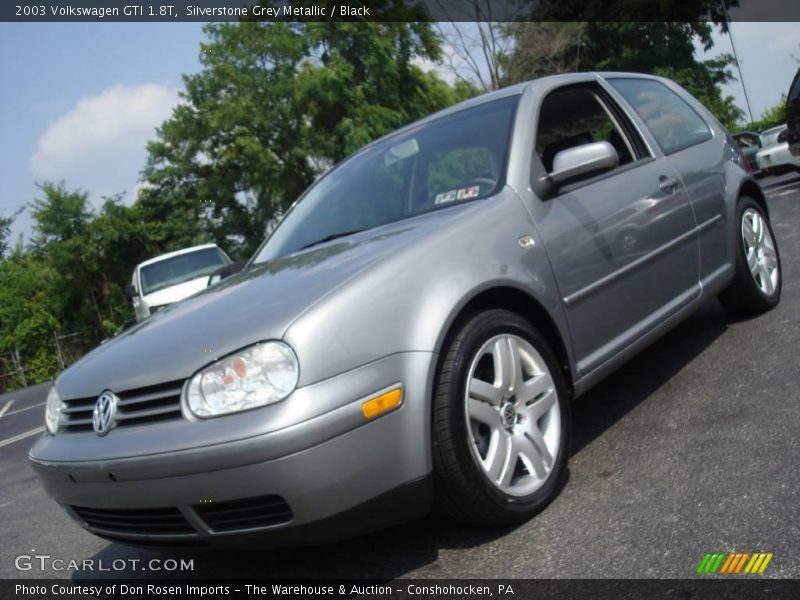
(144, 405)
(245, 514)
(143, 521)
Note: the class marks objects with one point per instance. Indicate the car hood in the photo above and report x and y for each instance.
(256, 304)
(176, 292)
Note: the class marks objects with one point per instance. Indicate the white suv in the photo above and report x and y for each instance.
(165, 279)
(774, 158)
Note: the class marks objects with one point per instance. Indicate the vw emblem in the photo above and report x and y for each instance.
(105, 411)
(508, 415)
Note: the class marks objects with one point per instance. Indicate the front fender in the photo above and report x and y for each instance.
(406, 302)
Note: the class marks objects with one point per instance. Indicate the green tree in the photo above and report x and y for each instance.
(274, 106)
(28, 307)
(119, 239)
(69, 279)
(93, 254)
(631, 10)
(228, 156)
(542, 48)
(5, 231)
(773, 116)
(60, 223)
(660, 48)
(360, 83)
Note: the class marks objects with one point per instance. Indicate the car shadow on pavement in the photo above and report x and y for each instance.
(778, 180)
(416, 547)
(383, 555)
(614, 397)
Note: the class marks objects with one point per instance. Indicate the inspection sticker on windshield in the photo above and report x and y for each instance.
(460, 194)
(468, 192)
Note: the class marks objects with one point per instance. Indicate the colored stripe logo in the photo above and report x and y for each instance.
(734, 563)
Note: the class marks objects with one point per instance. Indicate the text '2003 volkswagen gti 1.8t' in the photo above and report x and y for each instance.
(413, 331)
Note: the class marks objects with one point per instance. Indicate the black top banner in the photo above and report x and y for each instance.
(398, 10)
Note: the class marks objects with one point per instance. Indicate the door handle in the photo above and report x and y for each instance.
(667, 184)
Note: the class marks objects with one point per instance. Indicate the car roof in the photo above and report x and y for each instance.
(562, 78)
(161, 257)
(772, 130)
(512, 90)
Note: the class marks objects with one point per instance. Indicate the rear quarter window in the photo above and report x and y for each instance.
(674, 124)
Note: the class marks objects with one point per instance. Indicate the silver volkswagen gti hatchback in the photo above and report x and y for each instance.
(414, 330)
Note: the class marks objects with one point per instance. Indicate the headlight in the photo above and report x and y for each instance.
(256, 376)
(52, 413)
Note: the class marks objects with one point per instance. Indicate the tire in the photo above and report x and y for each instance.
(466, 450)
(755, 289)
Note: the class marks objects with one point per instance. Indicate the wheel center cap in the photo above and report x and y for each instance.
(508, 415)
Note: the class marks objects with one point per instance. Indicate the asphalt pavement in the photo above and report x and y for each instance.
(690, 448)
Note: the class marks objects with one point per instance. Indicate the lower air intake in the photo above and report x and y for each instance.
(245, 514)
(144, 521)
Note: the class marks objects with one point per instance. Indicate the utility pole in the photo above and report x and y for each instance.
(58, 350)
(20, 369)
(736, 58)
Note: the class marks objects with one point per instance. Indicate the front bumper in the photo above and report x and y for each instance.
(321, 467)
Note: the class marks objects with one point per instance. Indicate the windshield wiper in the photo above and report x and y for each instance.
(333, 236)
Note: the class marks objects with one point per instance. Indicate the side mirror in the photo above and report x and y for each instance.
(583, 161)
(130, 291)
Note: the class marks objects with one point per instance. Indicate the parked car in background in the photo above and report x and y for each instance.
(416, 327)
(165, 279)
(227, 271)
(749, 143)
(774, 158)
(793, 115)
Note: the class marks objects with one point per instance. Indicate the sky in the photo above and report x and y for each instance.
(79, 101)
(769, 55)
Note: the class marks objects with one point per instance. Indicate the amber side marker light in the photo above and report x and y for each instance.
(382, 404)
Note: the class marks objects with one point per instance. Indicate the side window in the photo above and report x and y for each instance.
(575, 116)
(673, 123)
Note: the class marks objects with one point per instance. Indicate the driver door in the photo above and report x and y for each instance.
(620, 243)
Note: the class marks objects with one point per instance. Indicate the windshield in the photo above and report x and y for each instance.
(181, 268)
(747, 140)
(450, 160)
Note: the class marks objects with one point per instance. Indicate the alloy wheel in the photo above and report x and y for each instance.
(759, 249)
(512, 414)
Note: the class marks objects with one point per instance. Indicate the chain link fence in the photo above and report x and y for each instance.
(67, 348)
(12, 373)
